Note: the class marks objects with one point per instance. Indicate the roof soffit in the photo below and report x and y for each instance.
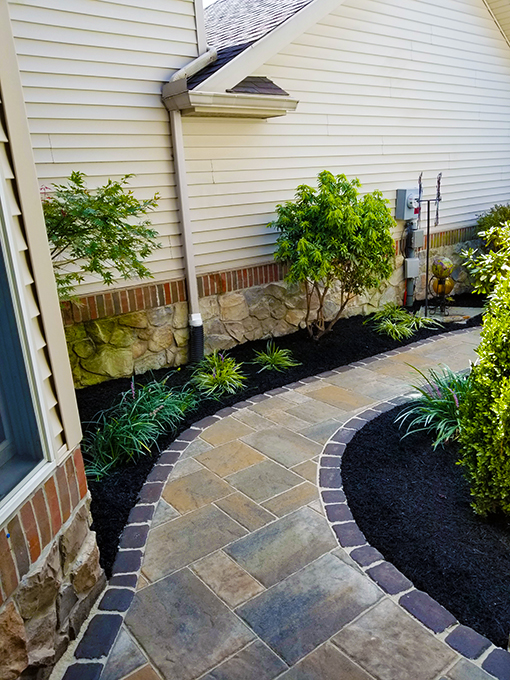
(500, 11)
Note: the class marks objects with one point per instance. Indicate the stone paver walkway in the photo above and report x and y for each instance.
(242, 577)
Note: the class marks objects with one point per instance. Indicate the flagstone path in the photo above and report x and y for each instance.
(242, 577)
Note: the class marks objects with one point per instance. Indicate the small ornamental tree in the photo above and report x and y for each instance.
(331, 234)
(97, 231)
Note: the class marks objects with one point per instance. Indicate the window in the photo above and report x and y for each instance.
(20, 443)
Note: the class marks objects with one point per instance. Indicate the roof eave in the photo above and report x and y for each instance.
(177, 97)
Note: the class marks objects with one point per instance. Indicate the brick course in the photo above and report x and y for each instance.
(8, 574)
(30, 529)
(53, 504)
(149, 296)
(38, 523)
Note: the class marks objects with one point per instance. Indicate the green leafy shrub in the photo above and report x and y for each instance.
(218, 374)
(274, 358)
(398, 323)
(331, 235)
(487, 265)
(485, 414)
(436, 411)
(495, 217)
(129, 429)
(94, 231)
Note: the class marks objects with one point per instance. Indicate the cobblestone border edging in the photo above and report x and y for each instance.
(431, 614)
(97, 641)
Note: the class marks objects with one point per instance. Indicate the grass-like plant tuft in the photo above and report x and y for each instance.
(274, 358)
(128, 430)
(436, 411)
(218, 374)
(397, 323)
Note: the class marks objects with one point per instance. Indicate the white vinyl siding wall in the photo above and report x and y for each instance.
(387, 89)
(92, 73)
(33, 323)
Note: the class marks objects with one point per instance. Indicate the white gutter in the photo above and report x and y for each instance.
(196, 65)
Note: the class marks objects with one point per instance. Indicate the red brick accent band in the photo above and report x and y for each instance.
(105, 304)
(149, 296)
(38, 521)
(237, 279)
(445, 238)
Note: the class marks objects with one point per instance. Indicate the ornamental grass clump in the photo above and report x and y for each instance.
(485, 414)
(436, 411)
(274, 358)
(399, 324)
(127, 431)
(218, 374)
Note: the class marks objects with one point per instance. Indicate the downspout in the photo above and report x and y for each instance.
(196, 341)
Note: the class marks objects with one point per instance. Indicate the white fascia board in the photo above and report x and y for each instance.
(260, 52)
(229, 104)
(200, 26)
(492, 8)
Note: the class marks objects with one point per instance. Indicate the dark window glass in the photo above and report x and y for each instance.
(20, 444)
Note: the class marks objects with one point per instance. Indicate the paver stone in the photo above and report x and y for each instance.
(306, 609)
(183, 627)
(392, 646)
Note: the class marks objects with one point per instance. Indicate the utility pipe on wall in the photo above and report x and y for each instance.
(196, 342)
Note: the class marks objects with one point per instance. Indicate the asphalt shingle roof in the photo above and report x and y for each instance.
(233, 25)
(237, 22)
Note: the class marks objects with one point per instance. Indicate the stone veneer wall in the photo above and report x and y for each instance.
(236, 306)
(49, 574)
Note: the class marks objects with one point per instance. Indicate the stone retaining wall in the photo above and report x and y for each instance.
(148, 339)
(49, 574)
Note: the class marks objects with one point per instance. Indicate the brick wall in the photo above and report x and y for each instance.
(49, 573)
(149, 296)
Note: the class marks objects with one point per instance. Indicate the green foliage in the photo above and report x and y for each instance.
(485, 415)
(436, 411)
(95, 232)
(332, 235)
(129, 429)
(494, 217)
(218, 374)
(488, 265)
(398, 323)
(274, 358)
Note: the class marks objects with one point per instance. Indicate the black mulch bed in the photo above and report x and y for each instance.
(413, 505)
(350, 340)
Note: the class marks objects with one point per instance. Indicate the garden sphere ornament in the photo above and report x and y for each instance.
(441, 284)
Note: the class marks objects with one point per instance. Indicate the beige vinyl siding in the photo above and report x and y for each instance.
(387, 89)
(92, 73)
(33, 323)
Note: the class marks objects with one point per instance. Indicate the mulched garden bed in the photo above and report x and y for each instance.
(413, 505)
(350, 340)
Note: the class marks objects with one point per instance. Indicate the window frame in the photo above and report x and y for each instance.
(46, 466)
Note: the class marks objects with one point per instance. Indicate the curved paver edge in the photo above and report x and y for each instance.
(98, 639)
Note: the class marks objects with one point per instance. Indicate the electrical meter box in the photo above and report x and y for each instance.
(411, 267)
(408, 206)
(418, 238)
